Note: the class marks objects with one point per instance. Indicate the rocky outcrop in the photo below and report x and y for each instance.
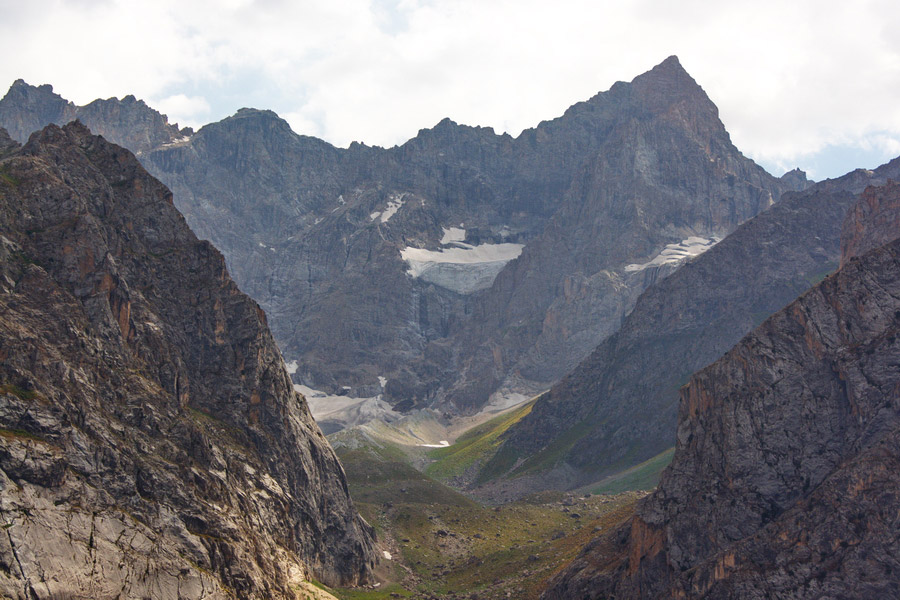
(785, 477)
(127, 122)
(323, 237)
(151, 443)
(619, 407)
(873, 221)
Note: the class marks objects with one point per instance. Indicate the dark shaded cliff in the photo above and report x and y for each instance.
(785, 478)
(151, 443)
(619, 406)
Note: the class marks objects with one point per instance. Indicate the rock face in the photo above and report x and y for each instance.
(874, 221)
(151, 443)
(619, 407)
(462, 262)
(787, 469)
(127, 122)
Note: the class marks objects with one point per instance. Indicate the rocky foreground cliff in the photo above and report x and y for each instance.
(151, 443)
(787, 468)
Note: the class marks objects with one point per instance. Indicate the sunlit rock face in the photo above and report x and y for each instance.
(151, 443)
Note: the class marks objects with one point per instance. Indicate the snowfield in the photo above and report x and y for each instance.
(393, 205)
(462, 268)
(674, 253)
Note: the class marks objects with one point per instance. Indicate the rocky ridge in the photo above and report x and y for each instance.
(151, 444)
(317, 235)
(619, 407)
(127, 122)
(785, 477)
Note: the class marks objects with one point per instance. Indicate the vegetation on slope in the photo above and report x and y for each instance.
(442, 544)
(473, 448)
(644, 476)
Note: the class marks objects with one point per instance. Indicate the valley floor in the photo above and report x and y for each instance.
(438, 543)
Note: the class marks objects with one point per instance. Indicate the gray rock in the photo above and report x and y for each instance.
(619, 407)
(785, 473)
(315, 233)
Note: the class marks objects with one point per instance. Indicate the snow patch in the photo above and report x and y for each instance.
(675, 253)
(453, 234)
(382, 380)
(395, 201)
(177, 142)
(386, 554)
(441, 444)
(461, 269)
(292, 367)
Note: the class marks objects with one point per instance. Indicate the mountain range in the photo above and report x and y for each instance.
(624, 262)
(463, 267)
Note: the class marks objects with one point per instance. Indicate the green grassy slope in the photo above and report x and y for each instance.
(475, 447)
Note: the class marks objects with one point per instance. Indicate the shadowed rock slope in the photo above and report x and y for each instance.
(787, 469)
(151, 443)
(619, 407)
(319, 235)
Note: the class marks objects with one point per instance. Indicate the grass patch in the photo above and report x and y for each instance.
(644, 476)
(9, 178)
(556, 450)
(446, 545)
(817, 277)
(376, 476)
(20, 393)
(21, 434)
(478, 444)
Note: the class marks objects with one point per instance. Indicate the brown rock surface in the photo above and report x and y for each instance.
(151, 443)
(873, 221)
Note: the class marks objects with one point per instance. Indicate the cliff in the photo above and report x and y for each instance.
(785, 476)
(151, 443)
(619, 406)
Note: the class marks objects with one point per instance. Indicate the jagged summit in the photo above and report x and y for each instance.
(345, 249)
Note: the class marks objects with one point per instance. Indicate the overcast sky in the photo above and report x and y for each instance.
(814, 84)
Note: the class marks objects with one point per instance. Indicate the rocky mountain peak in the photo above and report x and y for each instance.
(27, 108)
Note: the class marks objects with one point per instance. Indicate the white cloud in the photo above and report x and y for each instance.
(193, 110)
(790, 79)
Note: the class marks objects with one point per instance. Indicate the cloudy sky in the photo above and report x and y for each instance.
(814, 84)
